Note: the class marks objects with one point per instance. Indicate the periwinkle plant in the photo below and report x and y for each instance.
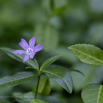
(86, 53)
(58, 73)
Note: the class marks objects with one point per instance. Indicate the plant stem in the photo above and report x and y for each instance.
(39, 75)
(37, 86)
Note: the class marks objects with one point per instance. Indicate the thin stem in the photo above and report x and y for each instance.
(39, 75)
(37, 86)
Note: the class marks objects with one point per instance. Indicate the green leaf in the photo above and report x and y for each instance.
(36, 64)
(93, 93)
(33, 68)
(44, 87)
(23, 98)
(61, 77)
(29, 67)
(37, 101)
(18, 57)
(88, 53)
(27, 97)
(65, 68)
(74, 70)
(49, 61)
(16, 79)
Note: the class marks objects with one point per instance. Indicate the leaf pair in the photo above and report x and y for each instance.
(91, 55)
(59, 75)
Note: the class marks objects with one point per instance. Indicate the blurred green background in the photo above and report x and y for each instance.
(56, 24)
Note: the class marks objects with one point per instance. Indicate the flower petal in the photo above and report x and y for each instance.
(19, 52)
(23, 44)
(38, 48)
(32, 55)
(26, 58)
(32, 42)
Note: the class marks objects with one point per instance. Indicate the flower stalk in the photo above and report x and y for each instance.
(39, 75)
(37, 85)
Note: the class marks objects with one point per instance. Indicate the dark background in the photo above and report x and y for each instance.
(57, 24)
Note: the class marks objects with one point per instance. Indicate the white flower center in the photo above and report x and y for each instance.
(29, 51)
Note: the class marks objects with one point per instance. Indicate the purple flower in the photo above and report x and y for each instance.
(29, 50)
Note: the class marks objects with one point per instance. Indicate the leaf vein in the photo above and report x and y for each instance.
(89, 55)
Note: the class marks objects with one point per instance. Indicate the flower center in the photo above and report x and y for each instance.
(29, 51)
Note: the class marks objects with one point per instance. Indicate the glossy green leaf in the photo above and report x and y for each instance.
(27, 97)
(18, 57)
(74, 70)
(37, 101)
(49, 61)
(65, 68)
(44, 86)
(33, 68)
(16, 79)
(23, 98)
(61, 77)
(29, 67)
(88, 53)
(93, 93)
(36, 64)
